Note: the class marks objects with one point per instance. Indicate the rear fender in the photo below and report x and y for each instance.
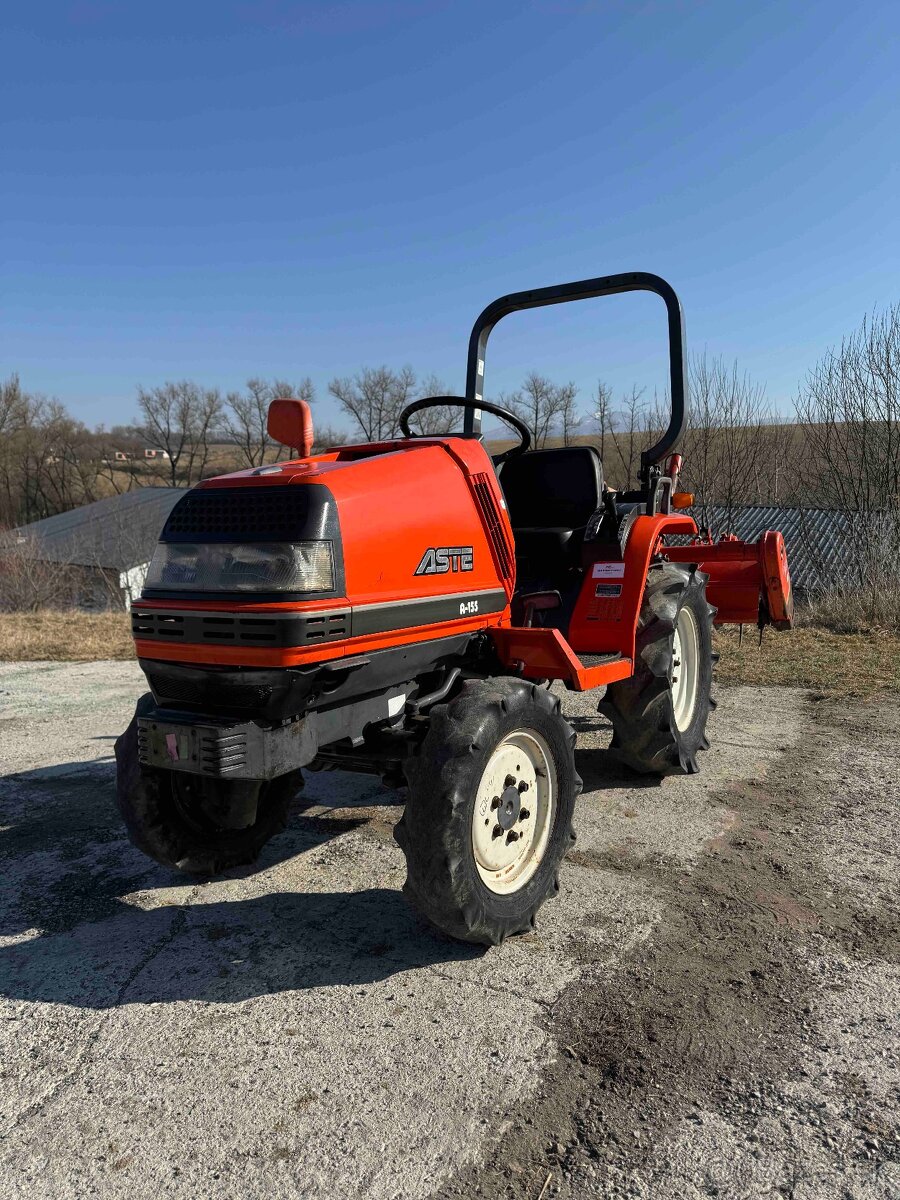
(609, 603)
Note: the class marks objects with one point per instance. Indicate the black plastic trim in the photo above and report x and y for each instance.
(190, 627)
(241, 629)
(407, 614)
(274, 693)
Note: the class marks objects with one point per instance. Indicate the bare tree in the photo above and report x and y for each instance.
(326, 437)
(46, 457)
(118, 457)
(12, 421)
(246, 416)
(849, 411)
(374, 398)
(181, 420)
(28, 582)
(569, 417)
(625, 430)
(538, 405)
(724, 445)
(436, 422)
(603, 414)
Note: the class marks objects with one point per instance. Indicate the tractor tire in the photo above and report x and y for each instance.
(496, 768)
(659, 715)
(165, 819)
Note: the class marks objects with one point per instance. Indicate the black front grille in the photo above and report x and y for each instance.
(291, 629)
(249, 513)
(197, 692)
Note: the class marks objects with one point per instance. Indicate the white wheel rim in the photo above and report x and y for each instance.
(517, 796)
(685, 668)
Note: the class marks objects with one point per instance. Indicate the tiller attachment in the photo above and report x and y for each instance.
(749, 582)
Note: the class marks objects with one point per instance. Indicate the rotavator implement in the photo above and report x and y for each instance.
(401, 608)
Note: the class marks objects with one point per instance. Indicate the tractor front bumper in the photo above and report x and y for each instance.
(203, 746)
(221, 749)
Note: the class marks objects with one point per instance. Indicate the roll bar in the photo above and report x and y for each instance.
(586, 289)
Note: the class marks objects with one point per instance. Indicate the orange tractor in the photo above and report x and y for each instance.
(402, 608)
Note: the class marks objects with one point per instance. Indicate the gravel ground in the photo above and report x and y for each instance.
(709, 1008)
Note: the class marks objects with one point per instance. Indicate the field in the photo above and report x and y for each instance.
(64, 636)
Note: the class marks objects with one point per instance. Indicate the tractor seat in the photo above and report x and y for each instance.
(550, 496)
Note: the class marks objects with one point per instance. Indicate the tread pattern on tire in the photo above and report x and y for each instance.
(645, 736)
(435, 829)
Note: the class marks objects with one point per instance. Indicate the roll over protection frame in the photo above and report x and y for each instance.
(587, 289)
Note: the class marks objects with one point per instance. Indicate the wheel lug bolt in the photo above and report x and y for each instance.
(495, 803)
(497, 831)
(512, 836)
(509, 781)
(524, 814)
(523, 787)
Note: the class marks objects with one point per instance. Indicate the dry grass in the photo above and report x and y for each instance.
(65, 636)
(832, 664)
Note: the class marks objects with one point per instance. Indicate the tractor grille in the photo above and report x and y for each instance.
(169, 689)
(239, 514)
(235, 630)
(496, 534)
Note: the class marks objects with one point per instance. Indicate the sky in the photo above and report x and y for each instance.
(216, 190)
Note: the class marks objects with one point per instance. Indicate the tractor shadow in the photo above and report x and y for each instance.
(599, 770)
(597, 765)
(73, 937)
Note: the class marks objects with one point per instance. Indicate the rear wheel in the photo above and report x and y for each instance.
(489, 816)
(194, 824)
(659, 715)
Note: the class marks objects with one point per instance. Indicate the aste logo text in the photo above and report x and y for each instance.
(438, 560)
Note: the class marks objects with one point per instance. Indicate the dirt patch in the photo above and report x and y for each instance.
(713, 1061)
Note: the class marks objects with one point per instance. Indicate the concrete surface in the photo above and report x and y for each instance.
(298, 1031)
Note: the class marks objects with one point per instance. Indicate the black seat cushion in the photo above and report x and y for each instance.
(550, 546)
(553, 489)
(550, 496)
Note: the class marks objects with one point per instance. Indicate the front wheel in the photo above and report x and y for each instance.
(659, 715)
(489, 816)
(187, 822)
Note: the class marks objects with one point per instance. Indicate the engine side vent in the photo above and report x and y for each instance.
(500, 546)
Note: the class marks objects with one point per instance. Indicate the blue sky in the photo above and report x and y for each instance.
(214, 190)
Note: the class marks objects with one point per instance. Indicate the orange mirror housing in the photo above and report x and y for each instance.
(290, 423)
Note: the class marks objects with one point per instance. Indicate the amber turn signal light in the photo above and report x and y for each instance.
(682, 499)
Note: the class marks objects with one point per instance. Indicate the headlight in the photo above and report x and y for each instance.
(242, 567)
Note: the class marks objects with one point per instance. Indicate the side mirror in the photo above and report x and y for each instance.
(290, 423)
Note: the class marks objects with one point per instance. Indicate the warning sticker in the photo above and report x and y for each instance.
(608, 589)
(609, 570)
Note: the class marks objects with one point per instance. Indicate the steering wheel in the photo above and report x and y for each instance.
(463, 402)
